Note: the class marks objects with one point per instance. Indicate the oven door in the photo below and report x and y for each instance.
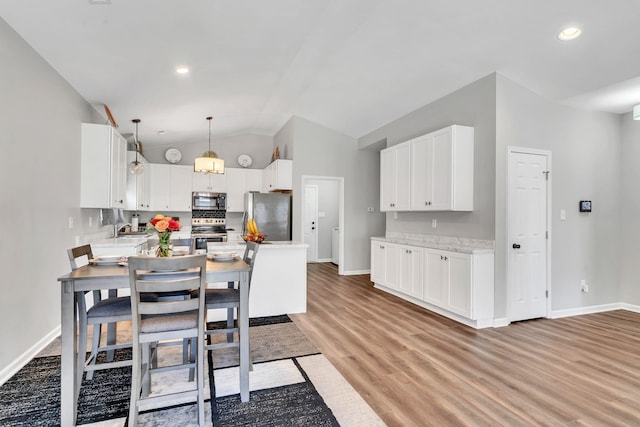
(200, 242)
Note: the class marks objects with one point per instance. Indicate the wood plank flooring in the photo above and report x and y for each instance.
(416, 368)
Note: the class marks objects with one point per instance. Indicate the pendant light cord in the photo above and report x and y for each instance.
(209, 119)
(136, 121)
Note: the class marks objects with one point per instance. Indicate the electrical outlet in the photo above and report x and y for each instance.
(70, 222)
(370, 209)
(434, 223)
(563, 214)
(584, 286)
(90, 222)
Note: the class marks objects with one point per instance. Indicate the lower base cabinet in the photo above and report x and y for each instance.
(457, 285)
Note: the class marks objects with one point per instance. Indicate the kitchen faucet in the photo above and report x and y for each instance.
(116, 228)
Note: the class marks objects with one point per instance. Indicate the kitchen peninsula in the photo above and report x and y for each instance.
(279, 282)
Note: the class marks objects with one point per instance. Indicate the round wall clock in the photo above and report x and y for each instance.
(245, 160)
(173, 155)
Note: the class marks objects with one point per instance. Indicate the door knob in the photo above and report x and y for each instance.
(516, 246)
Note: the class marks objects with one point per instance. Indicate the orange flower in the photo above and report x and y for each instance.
(162, 225)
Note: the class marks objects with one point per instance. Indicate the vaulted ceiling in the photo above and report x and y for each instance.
(351, 65)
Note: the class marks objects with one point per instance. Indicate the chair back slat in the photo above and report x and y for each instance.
(78, 252)
(160, 275)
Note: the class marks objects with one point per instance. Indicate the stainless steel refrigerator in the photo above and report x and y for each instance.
(272, 213)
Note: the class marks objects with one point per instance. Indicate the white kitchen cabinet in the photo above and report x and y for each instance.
(410, 272)
(278, 176)
(239, 182)
(213, 182)
(384, 263)
(442, 170)
(138, 186)
(395, 178)
(103, 167)
(448, 281)
(455, 284)
(170, 188)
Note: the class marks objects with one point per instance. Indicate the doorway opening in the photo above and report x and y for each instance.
(323, 218)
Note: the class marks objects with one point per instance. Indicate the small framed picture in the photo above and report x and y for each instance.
(585, 205)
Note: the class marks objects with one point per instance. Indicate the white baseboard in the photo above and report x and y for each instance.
(355, 272)
(323, 260)
(500, 322)
(25, 357)
(557, 314)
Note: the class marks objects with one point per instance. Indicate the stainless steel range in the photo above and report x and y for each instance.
(208, 224)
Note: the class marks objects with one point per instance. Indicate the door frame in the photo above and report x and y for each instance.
(340, 181)
(547, 154)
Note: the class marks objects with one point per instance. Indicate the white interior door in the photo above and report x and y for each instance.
(311, 221)
(527, 234)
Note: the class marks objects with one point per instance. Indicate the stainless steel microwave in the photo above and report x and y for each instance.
(209, 201)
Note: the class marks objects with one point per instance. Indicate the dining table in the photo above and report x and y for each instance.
(116, 276)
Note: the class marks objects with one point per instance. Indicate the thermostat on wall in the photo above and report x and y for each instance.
(585, 205)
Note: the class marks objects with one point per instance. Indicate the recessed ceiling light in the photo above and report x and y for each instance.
(569, 33)
(182, 69)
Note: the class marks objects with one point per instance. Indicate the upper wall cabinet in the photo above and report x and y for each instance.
(395, 178)
(103, 167)
(215, 182)
(138, 186)
(433, 172)
(278, 176)
(170, 187)
(239, 181)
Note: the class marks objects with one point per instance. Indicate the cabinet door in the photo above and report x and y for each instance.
(421, 170)
(200, 182)
(254, 179)
(395, 178)
(410, 279)
(434, 278)
(118, 170)
(236, 187)
(459, 283)
(378, 262)
(160, 187)
(218, 182)
(441, 176)
(391, 265)
(180, 188)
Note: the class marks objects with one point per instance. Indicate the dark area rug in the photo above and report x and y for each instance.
(32, 396)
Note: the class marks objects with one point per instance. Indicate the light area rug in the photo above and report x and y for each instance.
(291, 384)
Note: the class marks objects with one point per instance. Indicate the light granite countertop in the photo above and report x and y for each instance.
(445, 243)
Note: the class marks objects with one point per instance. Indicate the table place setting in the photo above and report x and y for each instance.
(107, 260)
(222, 255)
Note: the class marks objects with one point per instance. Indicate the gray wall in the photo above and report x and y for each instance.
(259, 147)
(586, 162)
(630, 211)
(40, 117)
(319, 151)
(473, 105)
(328, 194)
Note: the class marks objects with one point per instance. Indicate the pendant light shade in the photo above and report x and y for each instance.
(136, 167)
(209, 162)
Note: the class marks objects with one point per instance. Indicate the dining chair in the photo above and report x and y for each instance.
(159, 320)
(229, 298)
(103, 311)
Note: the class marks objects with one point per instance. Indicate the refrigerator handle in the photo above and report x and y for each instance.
(244, 223)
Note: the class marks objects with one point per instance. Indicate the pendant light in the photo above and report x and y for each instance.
(136, 167)
(209, 162)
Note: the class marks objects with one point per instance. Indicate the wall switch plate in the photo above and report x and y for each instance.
(434, 223)
(322, 214)
(563, 214)
(90, 222)
(370, 209)
(583, 285)
(70, 222)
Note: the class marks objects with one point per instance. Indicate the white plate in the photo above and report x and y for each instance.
(222, 256)
(173, 155)
(106, 260)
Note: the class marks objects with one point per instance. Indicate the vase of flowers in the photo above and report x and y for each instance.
(163, 225)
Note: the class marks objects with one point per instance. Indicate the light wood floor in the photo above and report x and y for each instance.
(416, 368)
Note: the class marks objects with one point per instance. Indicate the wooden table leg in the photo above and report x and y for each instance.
(69, 388)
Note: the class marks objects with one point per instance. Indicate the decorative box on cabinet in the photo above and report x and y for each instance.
(442, 170)
(278, 176)
(103, 167)
(395, 178)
